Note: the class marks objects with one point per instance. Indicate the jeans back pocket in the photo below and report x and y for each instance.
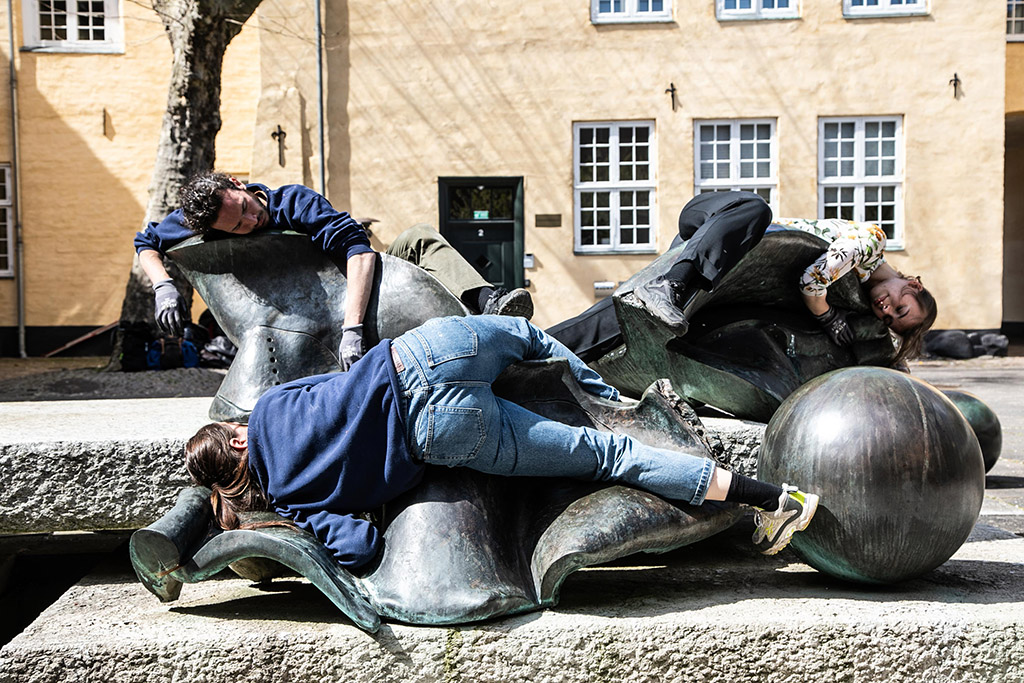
(454, 434)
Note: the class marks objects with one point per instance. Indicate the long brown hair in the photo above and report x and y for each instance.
(912, 340)
(212, 462)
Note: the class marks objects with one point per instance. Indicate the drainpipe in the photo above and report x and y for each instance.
(19, 244)
(320, 95)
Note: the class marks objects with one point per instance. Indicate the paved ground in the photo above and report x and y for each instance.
(998, 382)
(70, 379)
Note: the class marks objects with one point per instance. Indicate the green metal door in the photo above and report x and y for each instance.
(483, 219)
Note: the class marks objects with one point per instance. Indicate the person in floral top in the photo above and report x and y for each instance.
(899, 301)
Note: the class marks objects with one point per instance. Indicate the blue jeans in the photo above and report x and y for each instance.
(453, 418)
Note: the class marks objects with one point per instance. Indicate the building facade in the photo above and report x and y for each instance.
(555, 143)
(606, 116)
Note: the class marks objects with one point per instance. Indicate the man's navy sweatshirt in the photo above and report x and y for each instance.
(292, 207)
(329, 447)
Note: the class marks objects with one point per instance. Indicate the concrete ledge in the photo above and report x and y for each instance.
(116, 464)
(85, 465)
(711, 612)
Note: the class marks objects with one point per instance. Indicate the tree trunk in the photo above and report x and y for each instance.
(199, 33)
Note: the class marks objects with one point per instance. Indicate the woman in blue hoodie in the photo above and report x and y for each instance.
(321, 450)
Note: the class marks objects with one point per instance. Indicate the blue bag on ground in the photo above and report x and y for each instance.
(166, 353)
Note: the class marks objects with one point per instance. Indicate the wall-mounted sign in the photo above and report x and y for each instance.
(481, 215)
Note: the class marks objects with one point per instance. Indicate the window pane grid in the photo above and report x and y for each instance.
(854, 155)
(735, 155)
(880, 207)
(634, 153)
(648, 6)
(617, 158)
(1015, 18)
(756, 9)
(595, 217)
(883, 7)
(72, 22)
(839, 202)
(90, 19)
(634, 217)
(630, 10)
(595, 154)
(53, 20)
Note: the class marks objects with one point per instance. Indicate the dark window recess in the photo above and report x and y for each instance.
(498, 202)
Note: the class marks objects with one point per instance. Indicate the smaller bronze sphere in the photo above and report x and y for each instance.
(983, 421)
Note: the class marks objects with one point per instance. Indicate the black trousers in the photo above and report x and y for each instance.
(719, 228)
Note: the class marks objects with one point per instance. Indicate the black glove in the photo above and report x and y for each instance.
(833, 321)
(351, 348)
(171, 314)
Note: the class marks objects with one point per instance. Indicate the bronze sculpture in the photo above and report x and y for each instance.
(463, 546)
(750, 345)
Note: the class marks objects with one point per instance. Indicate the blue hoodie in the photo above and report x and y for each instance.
(329, 447)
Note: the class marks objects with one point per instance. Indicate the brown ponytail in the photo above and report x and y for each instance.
(212, 462)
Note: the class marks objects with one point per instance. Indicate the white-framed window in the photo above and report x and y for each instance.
(1014, 20)
(614, 187)
(630, 11)
(860, 172)
(6, 223)
(728, 10)
(72, 26)
(736, 154)
(883, 8)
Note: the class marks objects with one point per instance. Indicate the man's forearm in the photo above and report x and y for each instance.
(360, 283)
(153, 265)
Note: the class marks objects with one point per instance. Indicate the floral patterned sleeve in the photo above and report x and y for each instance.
(852, 246)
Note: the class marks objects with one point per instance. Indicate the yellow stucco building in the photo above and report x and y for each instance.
(91, 93)
(849, 107)
(554, 142)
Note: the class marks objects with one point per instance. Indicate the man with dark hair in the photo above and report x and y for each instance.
(218, 202)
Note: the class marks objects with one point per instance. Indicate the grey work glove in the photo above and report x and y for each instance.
(351, 348)
(833, 321)
(171, 314)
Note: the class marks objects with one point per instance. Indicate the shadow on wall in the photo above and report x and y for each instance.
(78, 217)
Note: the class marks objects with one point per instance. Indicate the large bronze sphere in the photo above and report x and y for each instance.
(898, 469)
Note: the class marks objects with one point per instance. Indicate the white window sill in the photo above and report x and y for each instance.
(81, 48)
(631, 20)
(755, 17)
(1017, 38)
(589, 251)
(887, 14)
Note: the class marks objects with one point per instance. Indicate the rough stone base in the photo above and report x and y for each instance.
(116, 464)
(88, 465)
(712, 612)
